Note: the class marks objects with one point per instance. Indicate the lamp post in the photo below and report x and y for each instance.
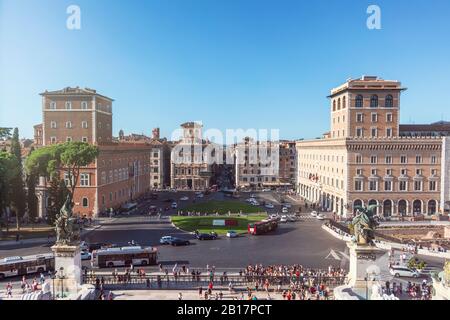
(53, 276)
(61, 277)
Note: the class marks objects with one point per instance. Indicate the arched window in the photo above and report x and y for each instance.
(387, 208)
(359, 101)
(344, 103)
(374, 202)
(69, 124)
(85, 202)
(339, 104)
(431, 207)
(402, 205)
(334, 105)
(356, 205)
(374, 101)
(417, 207)
(389, 101)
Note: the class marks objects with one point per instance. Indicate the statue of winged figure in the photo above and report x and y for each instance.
(67, 228)
(364, 224)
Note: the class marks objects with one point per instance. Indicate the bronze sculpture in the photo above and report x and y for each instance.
(364, 225)
(67, 228)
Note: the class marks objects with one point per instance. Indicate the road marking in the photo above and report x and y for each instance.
(334, 255)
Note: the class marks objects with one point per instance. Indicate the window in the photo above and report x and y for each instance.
(84, 139)
(418, 172)
(374, 117)
(388, 186)
(389, 172)
(359, 172)
(373, 159)
(374, 132)
(373, 185)
(388, 132)
(417, 185)
(84, 179)
(388, 159)
(359, 101)
(358, 158)
(100, 125)
(68, 139)
(403, 186)
(373, 172)
(67, 180)
(52, 105)
(84, 124)
(388, 117)
(403, 172)
(85, 202)
(403, 159)
(358, 185)
(68, 105)
(374, 101)
(433, 172)
(344, 103)
(69, 124)
(433, 159)
(53, 124)
(418, 159)
(359, 132)
(52, 140)
(389, 101)
(432, 186)
(359, 117)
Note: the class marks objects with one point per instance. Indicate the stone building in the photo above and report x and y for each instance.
(122, 171)
(365, 160)
(193, 159)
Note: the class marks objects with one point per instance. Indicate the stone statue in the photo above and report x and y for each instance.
(364, 224)
(67, 228)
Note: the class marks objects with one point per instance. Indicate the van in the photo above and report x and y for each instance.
(402, 271)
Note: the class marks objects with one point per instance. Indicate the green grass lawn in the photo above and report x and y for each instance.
(205, 224)
(222, 207)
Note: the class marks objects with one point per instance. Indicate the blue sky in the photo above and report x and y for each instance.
(227, 63)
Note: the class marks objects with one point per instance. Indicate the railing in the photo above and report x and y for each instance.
(170, 281)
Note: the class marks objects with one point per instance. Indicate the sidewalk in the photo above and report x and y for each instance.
(38, 241)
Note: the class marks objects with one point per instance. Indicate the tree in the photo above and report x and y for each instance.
(54, 161)
(5, 133)
(57, 194)
(8, 171)
(18, 201)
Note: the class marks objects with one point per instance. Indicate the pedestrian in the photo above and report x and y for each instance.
(9, 290)
(200, 292)
(42, 278)
(180, 296)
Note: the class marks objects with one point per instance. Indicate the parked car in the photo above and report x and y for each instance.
(320, 216)
(85, 255)
(185, 198)
(269, 206)
(174, 205)
(254, 203)
(166, 239)
(200, 195)
(284, 210)
(284, 219)
(253, 196)
(292, 218)
(314, 213)
(179, 242)
(232, 234)
(266, 190)
(286, 205)
(274, 216)
(206, 236)
(402, 271)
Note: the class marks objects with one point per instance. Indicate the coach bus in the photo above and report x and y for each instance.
(262, 227)
(19, 266)
(124, 256)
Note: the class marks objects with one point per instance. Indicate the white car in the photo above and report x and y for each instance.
(292, 218)
(283, 219)
(184, 198)
(314, 213)
(269, 206)
(254, 203)
(250, 200)
(200, 195)
(287, 205)
(174, 205)
(253, 195)
(166, 239)
(402, 271)
(232, 234)
(85, 255)
(284, 210)
(320, 216)
(274, 216)
(266, 190)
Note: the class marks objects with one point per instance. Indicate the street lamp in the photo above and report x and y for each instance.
(61, 277)
(53, 277)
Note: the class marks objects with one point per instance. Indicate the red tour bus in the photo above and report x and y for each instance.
(262, 227)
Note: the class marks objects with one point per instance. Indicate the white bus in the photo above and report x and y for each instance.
(19, 266)
(124, 256)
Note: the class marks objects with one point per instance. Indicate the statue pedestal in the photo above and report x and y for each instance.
(68, 268)
(361, 257)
